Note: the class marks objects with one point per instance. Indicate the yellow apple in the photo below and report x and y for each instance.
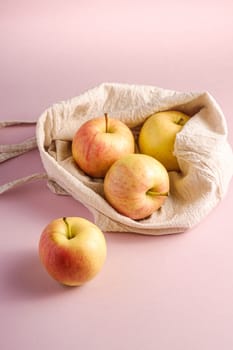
(72, 250)
(136, 185)
(157, 136)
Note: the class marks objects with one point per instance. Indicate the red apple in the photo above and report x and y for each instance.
(136, 185)
(99, 142)
(72, 250)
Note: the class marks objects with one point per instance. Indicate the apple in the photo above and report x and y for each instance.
(72, 250)
(157, 136)
(136, 185)
(99, 142)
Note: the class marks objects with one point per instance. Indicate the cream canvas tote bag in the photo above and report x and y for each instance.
(203, 152)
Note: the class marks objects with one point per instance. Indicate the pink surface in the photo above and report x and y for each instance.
(170, 292)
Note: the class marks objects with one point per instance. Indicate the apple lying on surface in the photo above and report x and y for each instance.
(136, 185)
(99, 143)
(157, 136)
(72, 250)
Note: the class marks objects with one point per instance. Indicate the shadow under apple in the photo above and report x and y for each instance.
(26, 279)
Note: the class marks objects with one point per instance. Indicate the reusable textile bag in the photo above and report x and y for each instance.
(203, 152)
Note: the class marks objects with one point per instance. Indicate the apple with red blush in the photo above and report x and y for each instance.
(72, 250)
(136, 185)
(99, 142)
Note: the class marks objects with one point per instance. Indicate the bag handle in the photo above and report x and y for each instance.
(8, 186)
(14, 150)
(10, 151)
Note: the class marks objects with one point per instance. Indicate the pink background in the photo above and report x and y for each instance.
(170, 292)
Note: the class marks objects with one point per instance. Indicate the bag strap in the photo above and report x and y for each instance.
(10, 151)
(14, 150)
(8, 186)
(3, 124)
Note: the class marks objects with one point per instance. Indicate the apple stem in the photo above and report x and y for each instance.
(154, 193)
(181, 121)
(106, 122)
(68, 228)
